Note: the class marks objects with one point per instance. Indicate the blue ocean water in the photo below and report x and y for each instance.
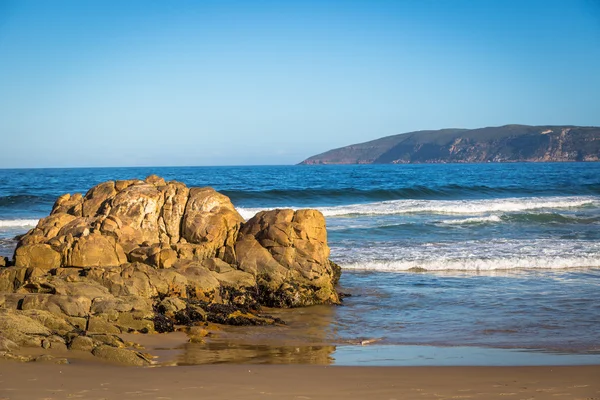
(492, 255)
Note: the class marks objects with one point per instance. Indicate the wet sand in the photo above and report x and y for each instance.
(93, 381)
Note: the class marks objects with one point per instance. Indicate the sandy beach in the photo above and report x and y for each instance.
(92, 381)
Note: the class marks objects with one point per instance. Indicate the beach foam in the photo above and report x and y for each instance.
(458, 207)
(477, 264)
(474, 220)
(16, 223)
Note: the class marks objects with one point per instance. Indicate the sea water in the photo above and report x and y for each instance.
(493, 256)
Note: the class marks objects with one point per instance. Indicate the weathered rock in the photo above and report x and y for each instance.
(171, 305)
(3, 261)
(51, 321)
(12, 278)
(12, 321)
(37, 255)
(287, 252)
(120, 356)
(72, 306)
(96, 250)
(140, 256)
(137, 207)
(176, 196)
(101, 324)
(97, 198)
(10, 301)
(211, 219)
(67, 204)
(7, 344)
(82, 343)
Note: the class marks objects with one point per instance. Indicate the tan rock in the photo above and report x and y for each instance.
(201, 281)
(81, 343)
(170, 305)
(138, 207)
(10, 301)
(120, 356)
(155, 180)
(96, 250)
(175, 199)
(7, 344)
(37, 256)
(15, 320)
(67, 204)
(98, 324)
(211, 219)
(287, 252)
(120, 185)
(72, 306)
(96, 198)
(12, 278)
(49, 320)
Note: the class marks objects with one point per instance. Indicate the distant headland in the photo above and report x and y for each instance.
(509, 143)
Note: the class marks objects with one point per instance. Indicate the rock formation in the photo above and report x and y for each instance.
(145, 256)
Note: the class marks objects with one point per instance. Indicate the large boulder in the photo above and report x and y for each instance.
(287, 252)
(211, 219)
(143, 256)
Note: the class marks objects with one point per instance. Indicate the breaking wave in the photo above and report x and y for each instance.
(480, 264)
(17, 223)
(465, 207)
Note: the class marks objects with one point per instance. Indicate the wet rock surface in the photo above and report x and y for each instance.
(150, 256)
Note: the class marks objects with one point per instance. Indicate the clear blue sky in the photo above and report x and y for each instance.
(126, 83)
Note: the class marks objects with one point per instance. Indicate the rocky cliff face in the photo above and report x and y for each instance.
(510, 143)
(145, 256)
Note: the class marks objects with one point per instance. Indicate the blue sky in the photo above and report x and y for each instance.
(128, 83)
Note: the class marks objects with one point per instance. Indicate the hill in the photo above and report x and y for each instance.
(509, 143)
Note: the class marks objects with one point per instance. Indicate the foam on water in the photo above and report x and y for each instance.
(474, 220)
(468, 207)
(469, 264)
(17, 223)
(474, 255)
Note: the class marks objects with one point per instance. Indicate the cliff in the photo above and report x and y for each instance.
(509, 143)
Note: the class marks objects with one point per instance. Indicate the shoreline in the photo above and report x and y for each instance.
(93, 381)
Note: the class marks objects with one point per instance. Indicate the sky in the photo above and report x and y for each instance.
(160, 83)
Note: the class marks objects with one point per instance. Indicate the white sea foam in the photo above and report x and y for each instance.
(477, 264)
(470, 255)
(450, 207)
(468, 207)
(474, 220)
(248, 213)
(17, 223)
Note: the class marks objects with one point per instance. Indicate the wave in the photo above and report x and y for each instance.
(540, 218)
(549, 218)
(481, 264)
(465, 207)
(474, 220)
(468, 255)
(18, 200)
(417, 192)
(16, 223)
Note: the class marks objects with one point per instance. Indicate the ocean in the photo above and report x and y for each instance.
(486, 256)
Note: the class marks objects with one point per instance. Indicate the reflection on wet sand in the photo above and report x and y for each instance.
(307, 338)
(237, 353)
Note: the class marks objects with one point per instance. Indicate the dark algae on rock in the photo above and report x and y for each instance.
(509, 143)
(148, 256)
